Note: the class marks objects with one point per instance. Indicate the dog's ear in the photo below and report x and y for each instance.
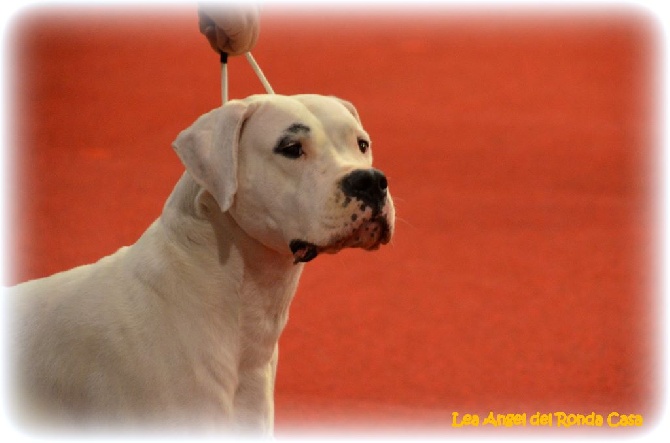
(208, 149)
(350, 107)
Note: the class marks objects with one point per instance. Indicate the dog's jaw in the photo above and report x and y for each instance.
(369, 235)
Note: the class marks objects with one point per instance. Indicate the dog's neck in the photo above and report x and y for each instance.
(188, 212)
(231, 276)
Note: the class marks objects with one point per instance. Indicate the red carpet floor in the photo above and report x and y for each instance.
(520, 150)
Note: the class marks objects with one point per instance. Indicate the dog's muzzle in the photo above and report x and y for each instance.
(368, 187)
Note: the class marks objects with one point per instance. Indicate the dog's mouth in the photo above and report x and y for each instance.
(370, 235)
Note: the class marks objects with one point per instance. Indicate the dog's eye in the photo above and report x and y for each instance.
(363, 145)
(291, 150)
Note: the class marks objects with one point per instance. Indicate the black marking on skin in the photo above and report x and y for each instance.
(289, 144)
(296, 128)
(347, 200)
(363, 206)
(354, 217)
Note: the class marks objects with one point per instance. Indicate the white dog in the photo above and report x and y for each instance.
(180, 329)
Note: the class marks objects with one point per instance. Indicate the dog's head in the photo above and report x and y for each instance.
(295, 173)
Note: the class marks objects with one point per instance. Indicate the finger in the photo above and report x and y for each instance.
(208, 29)
(236, 39)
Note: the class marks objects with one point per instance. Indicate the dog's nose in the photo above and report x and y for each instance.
(367, 185)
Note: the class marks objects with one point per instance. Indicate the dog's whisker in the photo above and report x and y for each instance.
(405, 221)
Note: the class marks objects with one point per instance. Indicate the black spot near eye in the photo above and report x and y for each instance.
(363, 145)
(290, 150)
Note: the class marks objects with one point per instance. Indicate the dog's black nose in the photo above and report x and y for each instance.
(367, 185)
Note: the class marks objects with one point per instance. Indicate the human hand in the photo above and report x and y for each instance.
(232, 29)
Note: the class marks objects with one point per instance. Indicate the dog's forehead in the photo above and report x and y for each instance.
(277, 117)
(320, 105)
(325, 112)
(330, 111)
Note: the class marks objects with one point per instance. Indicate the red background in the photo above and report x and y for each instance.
(519, 147)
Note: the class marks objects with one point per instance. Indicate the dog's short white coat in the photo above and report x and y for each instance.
(180, 330)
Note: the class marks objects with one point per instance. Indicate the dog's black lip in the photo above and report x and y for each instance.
(386, 229)
(311, 251)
